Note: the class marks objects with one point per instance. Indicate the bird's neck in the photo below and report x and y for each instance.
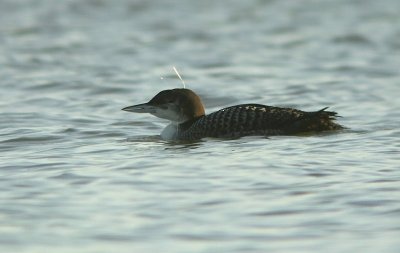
(172, 131)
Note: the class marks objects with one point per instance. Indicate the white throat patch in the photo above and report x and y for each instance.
(170, 132)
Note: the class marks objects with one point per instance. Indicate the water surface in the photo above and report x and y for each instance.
(80, 175)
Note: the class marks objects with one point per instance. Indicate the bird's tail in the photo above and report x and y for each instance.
(318, 121)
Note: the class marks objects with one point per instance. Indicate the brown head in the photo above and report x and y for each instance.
(177, 105)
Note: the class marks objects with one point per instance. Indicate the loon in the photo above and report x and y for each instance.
(186, 112)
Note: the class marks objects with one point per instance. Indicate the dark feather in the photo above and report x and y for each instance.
(255, 119)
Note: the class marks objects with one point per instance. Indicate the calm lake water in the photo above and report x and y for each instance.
(80, 175)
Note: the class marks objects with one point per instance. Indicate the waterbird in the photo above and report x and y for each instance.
(185, 110)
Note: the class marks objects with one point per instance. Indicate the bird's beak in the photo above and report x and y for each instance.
(141, 108)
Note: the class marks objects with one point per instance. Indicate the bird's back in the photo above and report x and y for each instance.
(255, 119)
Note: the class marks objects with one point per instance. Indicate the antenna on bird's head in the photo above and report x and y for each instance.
(177, 73)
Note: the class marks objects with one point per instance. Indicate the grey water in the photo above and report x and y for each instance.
(77, 174)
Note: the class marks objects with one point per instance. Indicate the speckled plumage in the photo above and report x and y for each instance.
(255, 119)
